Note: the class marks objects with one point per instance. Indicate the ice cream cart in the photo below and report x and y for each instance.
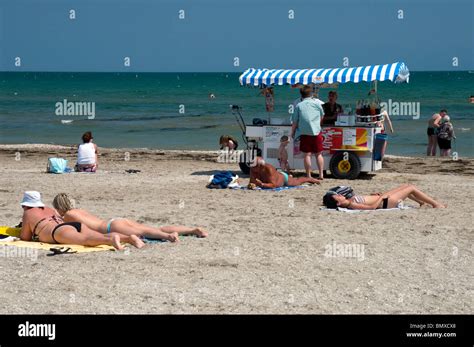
(352, 146)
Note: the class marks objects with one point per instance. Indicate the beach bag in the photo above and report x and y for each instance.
(443, 131)
(345, 191)
(57, 165)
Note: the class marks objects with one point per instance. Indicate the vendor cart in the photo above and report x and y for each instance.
(354, 145)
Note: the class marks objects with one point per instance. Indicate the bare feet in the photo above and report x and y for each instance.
(173, 237)
(136, 241)
(200, 232)
(315, 181)
(116, 242)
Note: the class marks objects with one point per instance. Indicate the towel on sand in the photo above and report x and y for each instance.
(270, 189)
(347, 210)
(10, 231)
(15, 232)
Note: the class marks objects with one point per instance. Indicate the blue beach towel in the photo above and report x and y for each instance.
(152, 241)
(279, 189)
(147, 240)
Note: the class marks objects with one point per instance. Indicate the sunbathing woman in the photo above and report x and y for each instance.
(390, 199)
(65, 208)
(41, 223)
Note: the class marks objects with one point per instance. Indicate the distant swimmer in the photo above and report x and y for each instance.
(212, 96)
(269, 95)
(471, 99)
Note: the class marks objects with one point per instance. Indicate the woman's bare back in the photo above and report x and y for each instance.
(44, 219)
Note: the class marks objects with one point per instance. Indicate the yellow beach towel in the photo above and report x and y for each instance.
(5, 230)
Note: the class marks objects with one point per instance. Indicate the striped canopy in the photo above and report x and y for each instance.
(396, 72)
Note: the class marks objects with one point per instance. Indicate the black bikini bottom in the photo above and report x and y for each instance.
(385, 203)
(73, 224)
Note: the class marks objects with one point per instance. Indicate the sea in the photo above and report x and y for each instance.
(192, 110)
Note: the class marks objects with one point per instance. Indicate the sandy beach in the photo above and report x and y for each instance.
(266, 253)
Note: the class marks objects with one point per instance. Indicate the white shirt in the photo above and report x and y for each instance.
(86, 154)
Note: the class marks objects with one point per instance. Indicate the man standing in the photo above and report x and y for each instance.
(331, 109)
(307, 119)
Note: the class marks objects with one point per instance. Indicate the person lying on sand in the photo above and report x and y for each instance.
(265, 175)
(390, 199)
(41, 223)
(65, 208)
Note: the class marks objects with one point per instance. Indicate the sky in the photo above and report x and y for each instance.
(232, 35)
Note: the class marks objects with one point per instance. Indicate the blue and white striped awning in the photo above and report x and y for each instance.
(397, 72)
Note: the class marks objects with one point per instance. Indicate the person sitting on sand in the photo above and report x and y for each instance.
(227, 141)
(283, 154)
(87, 152)
(265, 175)
(41, 223)
(69, 213)
(391, 199)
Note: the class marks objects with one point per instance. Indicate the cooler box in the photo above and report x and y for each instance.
(379, 146)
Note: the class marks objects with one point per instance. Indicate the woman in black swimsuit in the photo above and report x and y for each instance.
(390, 199)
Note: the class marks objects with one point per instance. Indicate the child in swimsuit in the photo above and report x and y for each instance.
(283, 154)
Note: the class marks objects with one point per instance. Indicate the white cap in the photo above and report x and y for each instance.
(32, 199)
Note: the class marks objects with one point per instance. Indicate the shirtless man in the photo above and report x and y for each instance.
(433, 124)
(40, 223)
(266, 176)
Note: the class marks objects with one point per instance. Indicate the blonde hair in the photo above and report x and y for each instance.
(61, 202)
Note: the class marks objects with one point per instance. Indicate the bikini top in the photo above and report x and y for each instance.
(58, 220)
(359, 199)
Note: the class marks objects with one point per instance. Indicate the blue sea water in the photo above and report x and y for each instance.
(174, 111)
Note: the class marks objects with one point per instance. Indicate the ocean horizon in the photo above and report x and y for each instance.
(166, 110)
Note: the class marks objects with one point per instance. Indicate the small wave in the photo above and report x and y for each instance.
(184, 128)
(134, 119)
(172, 129)
(463, 129)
